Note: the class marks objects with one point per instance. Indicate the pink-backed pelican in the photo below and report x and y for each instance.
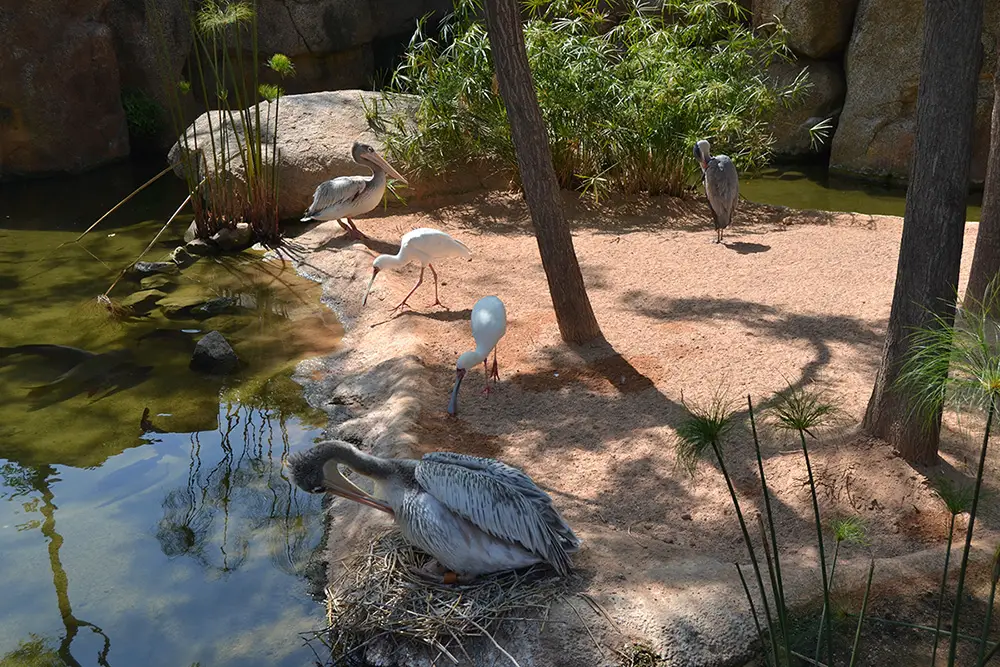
(474, 515)
(351, 196)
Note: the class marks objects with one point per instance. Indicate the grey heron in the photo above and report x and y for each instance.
(489, 324)
(350, 196)
(423, 245)
(722, 185)
(473, 515)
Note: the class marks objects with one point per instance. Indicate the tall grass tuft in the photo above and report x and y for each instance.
(231, 173)
(957, 363)
(623, 100)
(957, 499)
(800, 410)
(703, 430)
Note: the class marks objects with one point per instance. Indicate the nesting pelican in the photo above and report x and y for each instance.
(474, 515)
(350, 196)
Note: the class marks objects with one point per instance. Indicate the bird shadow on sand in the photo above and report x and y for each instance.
(443, 315)
(743, 248)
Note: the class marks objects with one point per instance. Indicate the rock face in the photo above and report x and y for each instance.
(60, 106)
(824, 100)
(315, 135)
(153, 41)
(816, 28)
(213, 354)
(876, 131)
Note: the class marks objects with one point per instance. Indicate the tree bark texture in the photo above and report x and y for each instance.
(574, 313)
(986, 260)
(931, 249)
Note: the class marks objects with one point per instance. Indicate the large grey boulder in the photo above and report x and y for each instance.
(315, 135)
(60, 107)
(824, 99)
(876, 131)
(815, 28)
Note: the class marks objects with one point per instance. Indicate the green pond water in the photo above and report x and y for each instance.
(811, 187)
(182, 542)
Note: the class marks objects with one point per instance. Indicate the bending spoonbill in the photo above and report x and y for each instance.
(422, 245)
(350, 196)
(489, 324)
(473, 515)
(722, 185)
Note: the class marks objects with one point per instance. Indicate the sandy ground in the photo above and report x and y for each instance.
(791, 297)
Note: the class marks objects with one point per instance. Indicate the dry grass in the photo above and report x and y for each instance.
(379, 600)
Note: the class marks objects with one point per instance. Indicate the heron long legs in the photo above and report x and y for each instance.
(420, 280)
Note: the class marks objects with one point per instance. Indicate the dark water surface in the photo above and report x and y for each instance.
(811, 187)
(183, 544)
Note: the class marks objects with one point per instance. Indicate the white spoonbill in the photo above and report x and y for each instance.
(489, 324)
(350, 196)
(422, 245)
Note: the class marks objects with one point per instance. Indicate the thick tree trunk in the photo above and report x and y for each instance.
(574, 314)
(931, 248)
(986, 260)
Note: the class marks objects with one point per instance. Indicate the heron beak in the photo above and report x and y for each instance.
(368, 290)
(339, 485)
(386, 167)
(453, 403)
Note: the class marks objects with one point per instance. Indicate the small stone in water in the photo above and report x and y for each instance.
(213, 354)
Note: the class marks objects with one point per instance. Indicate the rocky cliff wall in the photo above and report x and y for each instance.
(70, 61)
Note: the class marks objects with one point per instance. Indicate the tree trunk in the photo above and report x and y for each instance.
(986, 260)
(931, 247)
(574, 314)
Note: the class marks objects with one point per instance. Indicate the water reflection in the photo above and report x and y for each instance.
(235, 493)
(24, 482)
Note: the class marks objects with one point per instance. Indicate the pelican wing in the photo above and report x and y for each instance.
(339, 192)
(495, 504)
(519, 481)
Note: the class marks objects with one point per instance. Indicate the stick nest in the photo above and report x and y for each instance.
(378, 600)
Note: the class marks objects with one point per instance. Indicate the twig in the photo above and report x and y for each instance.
(150, 245)
(499, 648)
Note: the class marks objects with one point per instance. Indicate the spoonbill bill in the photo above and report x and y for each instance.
(423, 245)
(473, 515)
(722, 185)
(351, 196)
(489, 324)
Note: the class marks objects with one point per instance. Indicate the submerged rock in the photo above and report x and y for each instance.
(156, 281)
(181, 257)
(143, 301)
(233, 238)
(150, 268)
(200, 247)
(217, 306)
(213, 354)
